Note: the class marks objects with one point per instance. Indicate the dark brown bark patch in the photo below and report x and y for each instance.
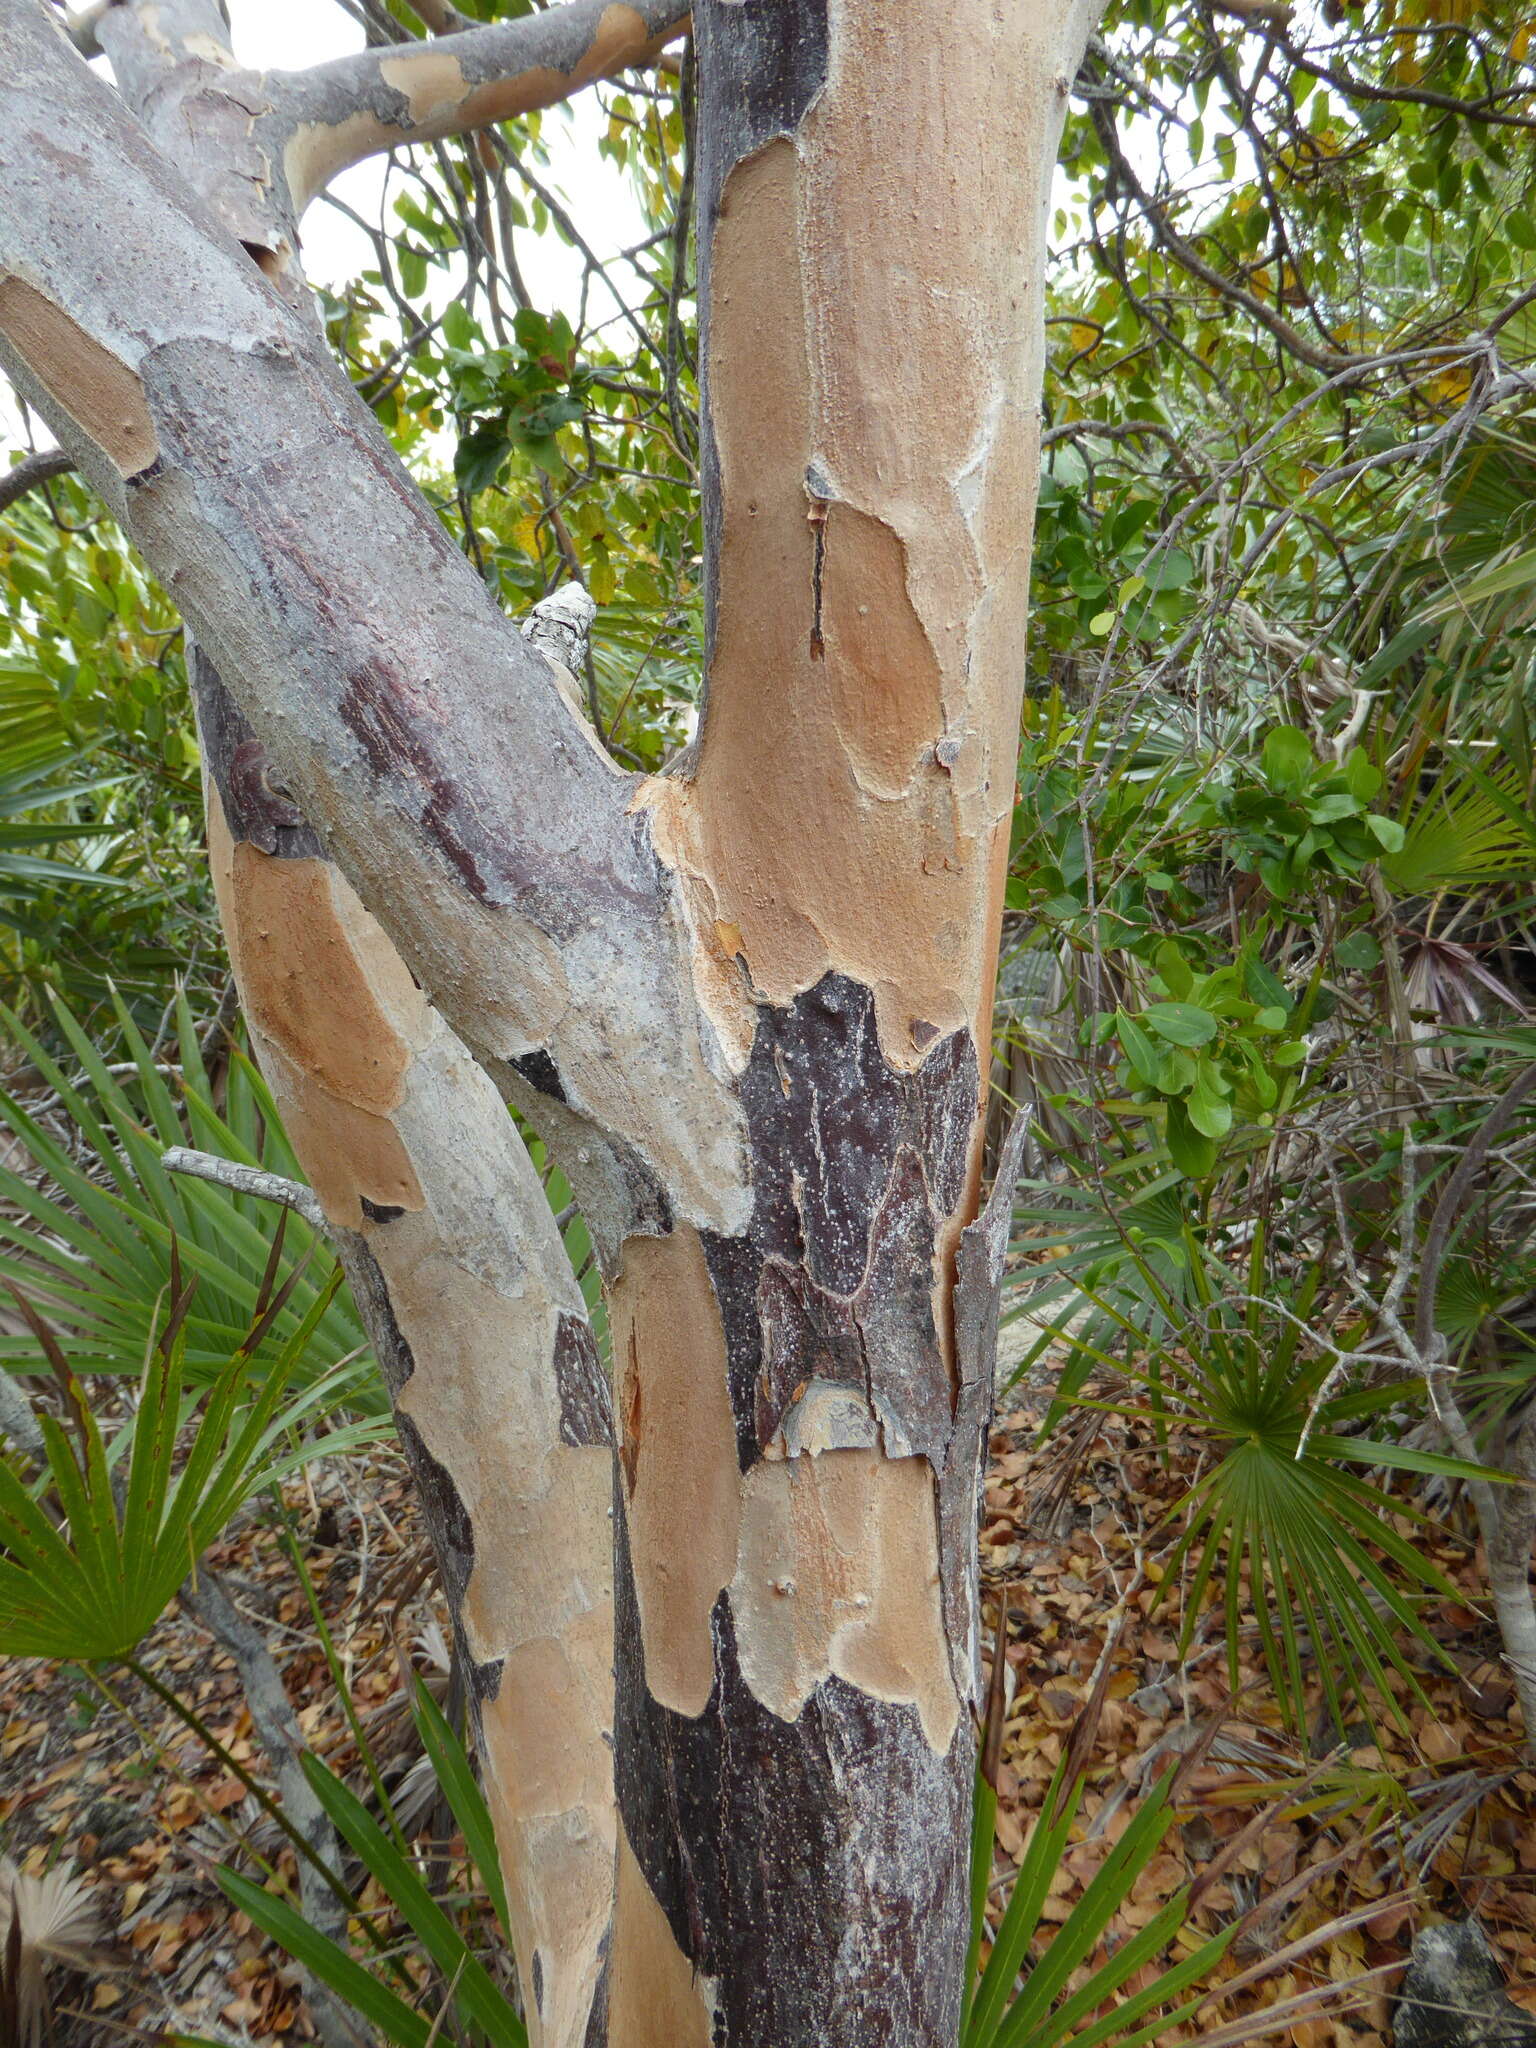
(255, 809)
(880, 1341)
(586, 1407)
(827, 1116)
(538, 1069)
(857, 1165)
(809, 1866)
(761, 64)
(816, 1866)
(978, 1302)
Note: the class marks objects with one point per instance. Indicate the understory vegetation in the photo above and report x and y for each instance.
(1258, 1533)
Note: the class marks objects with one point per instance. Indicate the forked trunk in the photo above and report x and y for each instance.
(746, 1003)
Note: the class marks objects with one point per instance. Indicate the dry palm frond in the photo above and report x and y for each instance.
(44, 1921)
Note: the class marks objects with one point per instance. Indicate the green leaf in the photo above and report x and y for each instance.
(1357, 951)
(1288, 759)
(479, 457)
(456, 1775)
(381, 2007)
(1181, 1023)
(1386, 831)
(476, 1995)
(1138, 1049)
(1191, 1151)
(1166, 569)
(1209, 1110)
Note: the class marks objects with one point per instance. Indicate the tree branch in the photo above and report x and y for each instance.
(247, 1180)
(356, 106)
(32, 470)
(482, 824)
(1184, 253)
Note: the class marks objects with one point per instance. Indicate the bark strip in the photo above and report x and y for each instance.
(462, 1280)
(795, 1579)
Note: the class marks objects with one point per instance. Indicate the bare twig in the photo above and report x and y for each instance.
(38, 468)
(248, 1180)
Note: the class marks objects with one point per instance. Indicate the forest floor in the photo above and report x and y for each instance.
(1434, 1818)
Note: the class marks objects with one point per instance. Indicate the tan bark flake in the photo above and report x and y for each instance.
(317, 150)
(679, 1457)
(838, 1575)
(883, 675)
(320, 979)
(856, 769)
(484, 1398)
(335, 1096)
(97, 389)
(620, 38)
(656, 2000)
(823, 825)
(430, 81)
(350, 1155)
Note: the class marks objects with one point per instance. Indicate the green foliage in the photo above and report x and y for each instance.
(26, 795)
(96, 1231)
(90, 1563)
(504, 399)
(573, 430)
(476, 2003)
(1041, 2014)
(1294, 819)
(100, 764)
(1300, 1546)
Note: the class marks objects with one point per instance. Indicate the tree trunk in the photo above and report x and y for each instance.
(500, 1400)
(795, 1576)
(747, 1004)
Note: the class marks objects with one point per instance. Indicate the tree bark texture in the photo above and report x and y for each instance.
(746, 1003)
(499, 1395)
(794, 1742)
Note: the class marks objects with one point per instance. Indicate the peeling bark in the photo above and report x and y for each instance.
(794, 1776)
(500, 1398)
(747, 1004)
(338, 113)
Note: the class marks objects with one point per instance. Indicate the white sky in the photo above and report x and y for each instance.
(290, 34)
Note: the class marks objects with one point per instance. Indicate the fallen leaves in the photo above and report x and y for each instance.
(1083, 1563)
